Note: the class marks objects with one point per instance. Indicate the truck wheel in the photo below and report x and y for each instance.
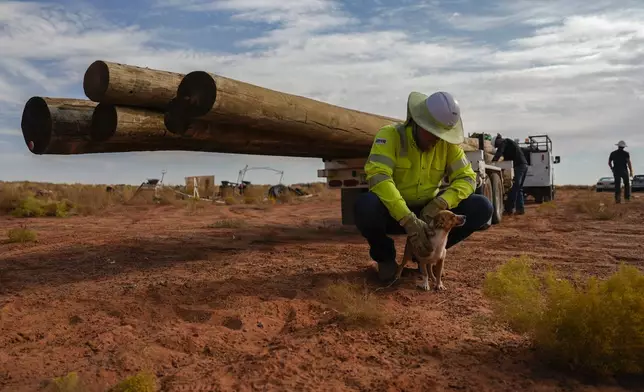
(486, 190)
(497, 197)
(539, 195)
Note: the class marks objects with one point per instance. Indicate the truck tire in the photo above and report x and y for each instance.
(497, 197)
(486, 190)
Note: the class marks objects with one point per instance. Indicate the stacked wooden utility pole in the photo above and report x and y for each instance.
(140, 109)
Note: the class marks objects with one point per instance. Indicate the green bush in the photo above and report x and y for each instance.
(21, 234)
(67, 383)
(32, 207)
(516, 294)
(596, 327)
(141, 382)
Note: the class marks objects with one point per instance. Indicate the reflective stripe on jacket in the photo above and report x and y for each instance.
(401, 174)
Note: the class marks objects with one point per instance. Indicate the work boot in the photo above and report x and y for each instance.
(387, 270)
(520, 212)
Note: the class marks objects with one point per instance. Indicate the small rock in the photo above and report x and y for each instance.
(260, 325)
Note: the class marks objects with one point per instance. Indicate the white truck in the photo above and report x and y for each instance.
(493, 181)
(540, 179)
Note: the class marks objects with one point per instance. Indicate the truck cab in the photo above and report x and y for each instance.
(540, 179)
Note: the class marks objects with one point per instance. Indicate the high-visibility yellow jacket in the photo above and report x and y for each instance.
(402, 175)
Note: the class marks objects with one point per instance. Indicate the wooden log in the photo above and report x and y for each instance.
(61, 126)
(129, 85)
(48, 121)
(231, 103)
(121, 128)
(226, 101)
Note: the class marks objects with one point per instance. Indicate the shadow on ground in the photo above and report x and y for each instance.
(88, 262)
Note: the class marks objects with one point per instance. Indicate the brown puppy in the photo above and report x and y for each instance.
(439, 228)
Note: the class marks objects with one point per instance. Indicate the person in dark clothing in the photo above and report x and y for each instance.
(619, 162)
(510, 151)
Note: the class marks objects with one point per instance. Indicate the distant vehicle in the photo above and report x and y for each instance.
(605, 184)
(540, 179)
(638, 183)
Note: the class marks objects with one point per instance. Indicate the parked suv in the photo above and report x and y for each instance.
(638, 183)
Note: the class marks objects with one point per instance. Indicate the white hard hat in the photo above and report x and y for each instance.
(439, 114)
(621, 143)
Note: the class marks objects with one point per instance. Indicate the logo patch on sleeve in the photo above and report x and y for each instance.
(381, 141)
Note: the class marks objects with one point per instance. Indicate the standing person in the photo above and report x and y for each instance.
(405, 168)
(510, 151)
(619, 162)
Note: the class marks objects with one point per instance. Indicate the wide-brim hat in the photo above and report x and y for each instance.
(418, 111)
(621, 143)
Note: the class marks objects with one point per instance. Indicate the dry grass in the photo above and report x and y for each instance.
(547, 208)
(30, 199)
(354, 304)
(67, 383)
(602, 207)
(21, 235)
(575, 187)
(71, 382)
(595, 327)
(141, 382)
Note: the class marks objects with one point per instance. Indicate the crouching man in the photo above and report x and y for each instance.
(405, 168)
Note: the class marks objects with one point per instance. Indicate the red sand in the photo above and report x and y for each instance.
(237, 308)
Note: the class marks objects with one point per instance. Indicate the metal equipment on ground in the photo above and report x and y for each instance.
(153, 184)
(242, 173)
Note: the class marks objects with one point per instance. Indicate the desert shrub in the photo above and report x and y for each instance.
(141, 382)
(594, 327)
(26, 199)
(33, 207)
(547, 208)
(516, 293)
(354, 305)
(595, 207)
(230, 200)
(194, 206)
(254, 194)
(21, 234)
(67, 383)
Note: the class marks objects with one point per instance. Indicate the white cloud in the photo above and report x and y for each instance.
(571, 69)
(10, 132)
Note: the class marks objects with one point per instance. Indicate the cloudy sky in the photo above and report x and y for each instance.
(571, 69)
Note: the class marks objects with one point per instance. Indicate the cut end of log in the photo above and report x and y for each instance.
(175, 119)
(36, 125)
(198, 92)
(104, 122)
(96, 80)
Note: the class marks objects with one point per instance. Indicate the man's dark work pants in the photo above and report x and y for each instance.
(375, 223)
(515, 196)
(619, 177)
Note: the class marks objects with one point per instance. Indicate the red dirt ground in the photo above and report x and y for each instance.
(210, 309)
